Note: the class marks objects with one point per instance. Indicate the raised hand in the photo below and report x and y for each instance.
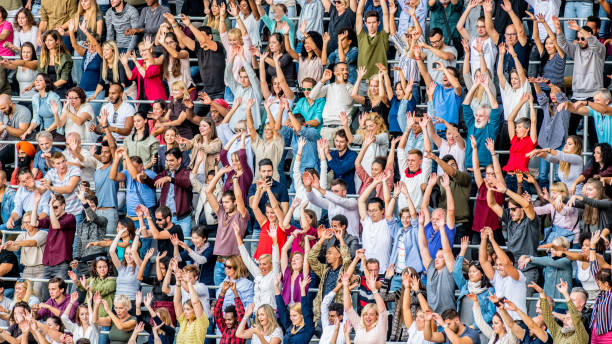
(563, 288)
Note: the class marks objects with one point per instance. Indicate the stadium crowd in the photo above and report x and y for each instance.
(282, 171)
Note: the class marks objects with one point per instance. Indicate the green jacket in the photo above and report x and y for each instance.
(62, 70)
(579, 336)
(106, 287)
(321, 270)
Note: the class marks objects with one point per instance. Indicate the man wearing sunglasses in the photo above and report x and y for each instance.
(523, 227)
(161, 228)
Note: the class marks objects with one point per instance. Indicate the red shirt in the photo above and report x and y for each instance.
(518, 149)
(265, 242)
(486, 217)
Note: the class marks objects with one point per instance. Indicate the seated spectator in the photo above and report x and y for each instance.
(121, 323)
(14, 122)
(265, 324)
(57, 303)
(141, 143)
(41, 106)
(26, 69)
(55, 61)
(84, 327)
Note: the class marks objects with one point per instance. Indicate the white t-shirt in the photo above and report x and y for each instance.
(82, 130)
(277, 333)
(415, 336)
(489, 51)
(515, 291)
(511, 98)
(376, 239)
(413, 184)
(455, 151)
(116, 118)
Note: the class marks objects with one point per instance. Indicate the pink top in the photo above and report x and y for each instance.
(566, 219)
(518, 149)
(153, 86)
(6, 25)
(298, 242)
(366, 180)
(246, 45)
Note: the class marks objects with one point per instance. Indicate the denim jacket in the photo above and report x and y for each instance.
(7, 204)
(413, 256)
(486, 306)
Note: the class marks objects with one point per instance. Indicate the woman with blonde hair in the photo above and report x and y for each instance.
(237, 272)
(55, 61)
(234, 39)
(179, 110)
(564, 218)
(193, 322)
(213, 17)
(112, 70)
(371, 327)
(379, 91)
(297, 319)
(120, 321)
(162, 321)
(569, 159)
(24, 292)
(265, 330)
(370, 124)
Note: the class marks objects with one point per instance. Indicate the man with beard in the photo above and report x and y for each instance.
(161, 228)
(42, 159)
(482, 125)
(337, 99)
(23, 201)
(25, 154)
(106, 187)
(14, 121)
(116, 114)
(119, 18)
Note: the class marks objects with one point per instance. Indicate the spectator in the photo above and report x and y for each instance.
(120, 323)
(14, 122)
(376, 235)
(372, 43)
(127, 267)
(88, 73)
(279, 190)
(440, 24)
(79, 157)
(310, 109)
(148, 75)
(136, 191)
(171, 139)
(162, 229)
(569, 160)
(149, 21)
(552, 57)
(272, 145)
(483, 43)
(228, 319)
(341, 161)
(497, 330)
(379, 167)
(337, 99)
(112, 70)
(205, 142)
(84, 328)
(25, 29)
(41, 106)
(265, 325)
(119, 19)
(116, 114)
(26, 69)
(57, 302)
(293, 271)
(175, 65)
(270, 222)
(141, 143)
(347, 53)
(370, 124)
(372, 326)
(296, 318)
(452, 328)
(417, 171)
(162, 331)
(23, 200)
(63, 179)
(93, 228)
(203, 211)
(55, 54)
(52, 16)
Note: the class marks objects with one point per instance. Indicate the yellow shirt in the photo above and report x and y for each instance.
(192, 332)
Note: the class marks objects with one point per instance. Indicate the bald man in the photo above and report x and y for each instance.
(80, 157)
(14, 121)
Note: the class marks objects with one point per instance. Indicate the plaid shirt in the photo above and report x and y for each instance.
(229, 334)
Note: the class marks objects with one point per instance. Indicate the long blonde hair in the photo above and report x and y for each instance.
(564, 166)
(366, 309)
(297, 307)
(115, 64)
(378, 120)
(29, 292)
(272, 323)
(181, 84)
(89, 15)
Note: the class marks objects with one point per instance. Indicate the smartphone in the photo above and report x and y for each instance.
(268, 179)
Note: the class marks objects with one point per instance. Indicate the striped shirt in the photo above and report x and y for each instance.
(602, 312)
(73, 205)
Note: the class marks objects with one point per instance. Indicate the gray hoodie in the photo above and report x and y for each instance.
(117, 23)
(588, 65)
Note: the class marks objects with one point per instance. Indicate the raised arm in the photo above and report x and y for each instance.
(461, 22)
(483, 256)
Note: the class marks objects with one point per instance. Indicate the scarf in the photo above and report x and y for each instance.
(475, 287)
(413, 174)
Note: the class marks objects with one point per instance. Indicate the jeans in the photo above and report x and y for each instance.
(35, 10)
(185, 224)
(79, 219)
(96, 106)
(396, 283)
(59, 270)
(219, 273)
(112, 216)
(103, 338)
(77, 69)
(576, 9)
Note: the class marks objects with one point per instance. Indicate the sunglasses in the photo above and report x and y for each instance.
(158, 219)
(337, 2)
(229, 267)
(304, 89)
(56, 207)
(101, 258)
(21, 280)
(581, 39)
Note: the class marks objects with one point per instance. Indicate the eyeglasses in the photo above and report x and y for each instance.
(229, 267)
(436, 42)
(510, 34)
(513, 209)
(304, 89)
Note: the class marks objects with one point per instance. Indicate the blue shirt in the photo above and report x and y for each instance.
(409, 237)
(310, 157)
(434, 240)
(40, 163)
(603, 126)
(344, 168)
(138, 193)
(403, 107)
(446, 105)
(481, 135)
(310, 112)
(91, 67)
(351, 62)
(106, 188)
(41, 109)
